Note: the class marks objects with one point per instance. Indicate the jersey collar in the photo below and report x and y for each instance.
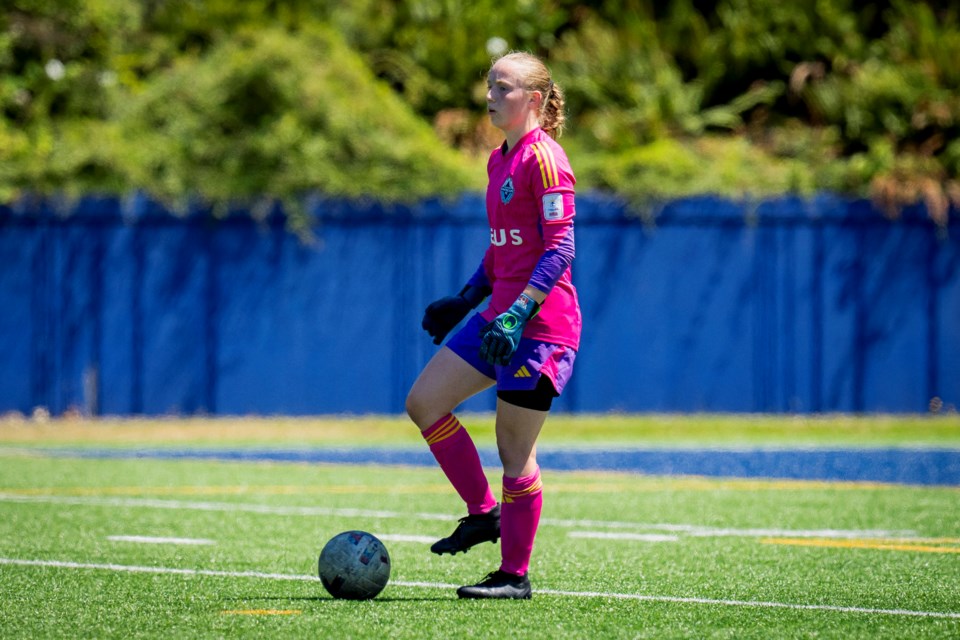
(530, 137)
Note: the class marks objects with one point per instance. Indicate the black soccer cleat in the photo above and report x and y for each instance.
(472, 530)
(498, 584)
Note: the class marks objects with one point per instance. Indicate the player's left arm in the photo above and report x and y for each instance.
(553, 187)
(559, 250)
(556, 259)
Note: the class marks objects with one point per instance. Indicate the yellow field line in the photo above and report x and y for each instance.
(884, 545)
(262, 612)
(694, 483)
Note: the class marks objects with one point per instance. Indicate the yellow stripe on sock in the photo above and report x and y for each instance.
(438, 430)
(513, 495)
(444, 431)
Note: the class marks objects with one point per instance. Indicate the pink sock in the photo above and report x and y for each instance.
(519, 518)
(453, 448)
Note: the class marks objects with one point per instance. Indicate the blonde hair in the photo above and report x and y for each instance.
(536, 77)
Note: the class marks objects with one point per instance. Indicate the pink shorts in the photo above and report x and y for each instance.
(532, 359)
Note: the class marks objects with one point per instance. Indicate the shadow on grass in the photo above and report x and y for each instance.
(332, 599)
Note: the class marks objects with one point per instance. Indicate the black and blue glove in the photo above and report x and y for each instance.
(500, 338)
(444, 314)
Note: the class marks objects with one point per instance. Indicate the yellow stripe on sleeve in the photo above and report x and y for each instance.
(548, 165)
(552, 162)
(544, 172)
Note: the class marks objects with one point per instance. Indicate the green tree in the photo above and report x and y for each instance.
(228, 100)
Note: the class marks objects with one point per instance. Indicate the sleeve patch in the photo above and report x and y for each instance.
(553, 206)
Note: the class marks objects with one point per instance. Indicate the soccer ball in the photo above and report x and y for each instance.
(354, 565)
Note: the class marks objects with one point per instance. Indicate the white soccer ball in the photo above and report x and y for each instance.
(354, 565)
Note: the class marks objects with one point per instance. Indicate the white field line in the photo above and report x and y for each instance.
(126, 568)
(623, 535)
(399, 537)
(160, 540)
(691, 530)
(187, 505)
(56, 564)
(698, 530)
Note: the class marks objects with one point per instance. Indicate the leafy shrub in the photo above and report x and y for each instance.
(261, 115)
(233, 100)
(270, 114)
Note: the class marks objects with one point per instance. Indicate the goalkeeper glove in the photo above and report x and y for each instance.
(499, 339)
(444, 314)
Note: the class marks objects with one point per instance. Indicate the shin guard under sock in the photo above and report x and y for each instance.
(454, 449)
(519, 519)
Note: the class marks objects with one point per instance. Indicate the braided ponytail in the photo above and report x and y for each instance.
(552, 114)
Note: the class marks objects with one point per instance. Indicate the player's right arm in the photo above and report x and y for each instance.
(442, 315)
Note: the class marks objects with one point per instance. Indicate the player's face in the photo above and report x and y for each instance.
(508, 103)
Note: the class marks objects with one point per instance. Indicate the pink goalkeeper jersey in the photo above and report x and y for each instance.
(530, 208)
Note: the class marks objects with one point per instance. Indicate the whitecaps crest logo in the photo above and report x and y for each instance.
(506, 191)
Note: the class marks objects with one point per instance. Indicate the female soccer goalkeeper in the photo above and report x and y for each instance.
(524, 341)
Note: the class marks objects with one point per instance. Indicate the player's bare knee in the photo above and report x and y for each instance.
(422, 409)
(511, 460)
(414, 406)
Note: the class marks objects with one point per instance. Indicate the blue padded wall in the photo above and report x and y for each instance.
(119, 307)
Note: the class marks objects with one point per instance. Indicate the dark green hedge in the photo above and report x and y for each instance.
(230, 101)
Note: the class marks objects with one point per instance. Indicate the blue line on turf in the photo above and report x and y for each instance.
(894, 465)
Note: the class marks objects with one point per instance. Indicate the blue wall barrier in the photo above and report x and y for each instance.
(117, 307)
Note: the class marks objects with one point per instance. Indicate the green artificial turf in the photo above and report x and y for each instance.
(604, 430)
(617, 556)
